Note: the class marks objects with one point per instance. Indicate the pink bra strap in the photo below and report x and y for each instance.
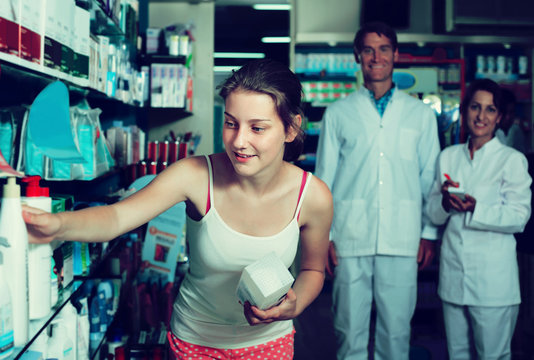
(302, 185)
(210, 179)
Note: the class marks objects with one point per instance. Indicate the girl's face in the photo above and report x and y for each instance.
(253, 133)
(482, 116)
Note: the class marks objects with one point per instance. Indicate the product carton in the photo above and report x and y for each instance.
(9, 26)
(52, 46)
(265, 282)
(81, 46)
(31, 30)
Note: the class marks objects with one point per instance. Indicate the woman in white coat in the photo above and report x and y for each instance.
(482, 195)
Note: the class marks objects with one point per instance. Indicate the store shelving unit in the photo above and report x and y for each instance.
(21, 81)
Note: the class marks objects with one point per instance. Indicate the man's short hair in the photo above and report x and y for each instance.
(377, 27)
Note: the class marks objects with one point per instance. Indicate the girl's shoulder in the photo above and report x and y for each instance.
(318, 198)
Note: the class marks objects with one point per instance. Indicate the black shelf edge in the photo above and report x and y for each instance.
(147, 59)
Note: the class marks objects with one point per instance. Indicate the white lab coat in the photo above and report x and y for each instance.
(478, 264)
(380, 171)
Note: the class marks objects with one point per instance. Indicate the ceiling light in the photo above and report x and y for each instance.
(238, 55)
(275, 39)
(271, 7)
(225, 68)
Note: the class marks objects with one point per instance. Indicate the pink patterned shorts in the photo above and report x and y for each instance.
(279, 349)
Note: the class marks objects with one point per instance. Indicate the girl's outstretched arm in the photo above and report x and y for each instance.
(181, 181)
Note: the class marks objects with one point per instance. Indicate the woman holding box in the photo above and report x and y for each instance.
(241, 205)
(478, 275)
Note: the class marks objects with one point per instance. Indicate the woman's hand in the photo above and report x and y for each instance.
(466, 205)
(42, 226)
(450, 201)
(446, 196)
(284, 311)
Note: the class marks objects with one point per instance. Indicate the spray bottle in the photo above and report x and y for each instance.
(39, 255)
(13, 230)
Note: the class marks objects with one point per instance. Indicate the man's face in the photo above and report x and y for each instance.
(377, 58)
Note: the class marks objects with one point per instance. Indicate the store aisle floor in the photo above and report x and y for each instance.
(315, 339)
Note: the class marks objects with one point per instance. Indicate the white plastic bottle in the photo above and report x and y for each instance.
(6, 315)
(13, 229)
(39, 255)
(69, 320)
(60, 343)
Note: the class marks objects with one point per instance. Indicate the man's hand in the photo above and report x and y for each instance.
(427, 251)
(331, 261)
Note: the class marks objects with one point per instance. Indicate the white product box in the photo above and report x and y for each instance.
(52, 46)
(81, 46)
(103, 47)
(265, 282)
(31, 30)
(458, 191)
(156, 85)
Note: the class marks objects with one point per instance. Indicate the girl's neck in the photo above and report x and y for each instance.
(261, 183)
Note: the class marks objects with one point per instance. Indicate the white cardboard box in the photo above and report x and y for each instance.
(265, 282)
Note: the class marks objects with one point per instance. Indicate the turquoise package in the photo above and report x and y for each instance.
(6, 135)
(50, 124)
(33, 158)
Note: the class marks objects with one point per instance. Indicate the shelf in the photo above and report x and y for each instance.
(147, 59)
(101, 23)
(108, 183)
(67, 294)
(23, 80)
(333, 39)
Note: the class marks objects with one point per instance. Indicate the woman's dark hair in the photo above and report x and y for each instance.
(377, 27)
(482, 85)
(282, 85)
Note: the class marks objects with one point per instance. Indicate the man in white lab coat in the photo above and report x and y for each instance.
(377, 152)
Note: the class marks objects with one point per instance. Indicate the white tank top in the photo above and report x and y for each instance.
(206, 311)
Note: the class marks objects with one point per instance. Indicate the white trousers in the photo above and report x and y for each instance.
(491, 329)
(392, 282)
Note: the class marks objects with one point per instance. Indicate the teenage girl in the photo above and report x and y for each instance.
(241, 205)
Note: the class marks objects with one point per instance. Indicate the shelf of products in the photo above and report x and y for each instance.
(71, 292)
(117, 89)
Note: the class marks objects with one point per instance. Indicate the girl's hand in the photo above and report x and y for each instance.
(42, 226)
(283, 311)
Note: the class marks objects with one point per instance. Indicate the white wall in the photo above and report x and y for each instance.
(202, 14)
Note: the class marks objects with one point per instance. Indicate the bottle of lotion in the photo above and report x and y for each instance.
(6, 313)
(13, 230)
(39, 255)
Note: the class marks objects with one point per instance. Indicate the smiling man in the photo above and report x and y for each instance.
(377, 153)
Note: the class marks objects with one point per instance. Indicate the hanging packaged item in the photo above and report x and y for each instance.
(93, 148)
(7, 135)
(61, 142)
